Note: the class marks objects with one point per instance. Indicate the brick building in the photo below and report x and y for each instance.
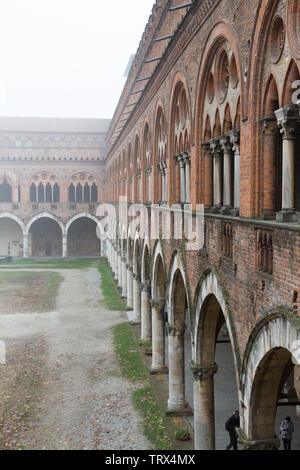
(210, 116)
(52, 177)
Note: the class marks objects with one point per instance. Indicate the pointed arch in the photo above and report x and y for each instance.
(227, 125)
(292, 75)
(271, 98)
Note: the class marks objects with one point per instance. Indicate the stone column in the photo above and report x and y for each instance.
(165, 182)
(124, 278)
(145, 313)
(287, 119)
(208, 176)
(235, 141)
(176, 402)
(217, 174)
(187, 160)
(129, 287)
(158, 337)
(25, 245)
(270, 130)
(116, 266)
(204, 406)
(182, 178)
(119, 269)
(227, 174)
(136, 299)
(65, 246)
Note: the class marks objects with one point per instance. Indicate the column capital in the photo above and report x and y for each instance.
(287, 119)
(225, 143)
(215, 148)
(203, 372)
(270, 126)
(159, 304)
(187, 157)
(174, 330)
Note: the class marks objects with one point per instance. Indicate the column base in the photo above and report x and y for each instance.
(226, 210)
(159, 371)
(235, 212)
(269, 215)
(216, 209)
(259, 444)
(186, 410)
(288, 215)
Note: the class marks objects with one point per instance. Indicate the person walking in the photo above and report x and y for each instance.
(231, 424)
(286, 431)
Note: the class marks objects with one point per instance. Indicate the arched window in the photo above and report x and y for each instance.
(79, 193)
(5, 192)
(87, 194)
(56, 193)
(48, 193)
(41, 193)
(33, 193)
(94, 193)
(72, 193)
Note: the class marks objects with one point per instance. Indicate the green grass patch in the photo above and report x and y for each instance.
(113, 300)
(133, 368)
(131, 363)
(154, 426)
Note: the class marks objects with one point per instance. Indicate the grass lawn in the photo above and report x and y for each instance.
(132, 368)
(110, 290)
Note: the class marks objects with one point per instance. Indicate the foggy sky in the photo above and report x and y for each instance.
(67, 58)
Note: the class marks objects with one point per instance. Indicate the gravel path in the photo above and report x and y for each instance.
(85, 404)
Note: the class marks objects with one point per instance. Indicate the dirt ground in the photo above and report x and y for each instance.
(60, 387)
(28, 292)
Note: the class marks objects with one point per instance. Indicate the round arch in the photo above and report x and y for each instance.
(80, 216)
(8, 215)
(45, 215)
(276, 338)
(210, 286)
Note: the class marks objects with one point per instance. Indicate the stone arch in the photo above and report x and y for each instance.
(159, 273)
(180, 120)
(210, 286)
(269, 352)
(178, 336)
(292, 75)
(46, 234)
(213, 322)
(80, 216)
(12, 239)
(177, 267)
(271, 98)
(45, 215)
(137, 255)
(8, 215)
(227, 124)
(146, 262)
